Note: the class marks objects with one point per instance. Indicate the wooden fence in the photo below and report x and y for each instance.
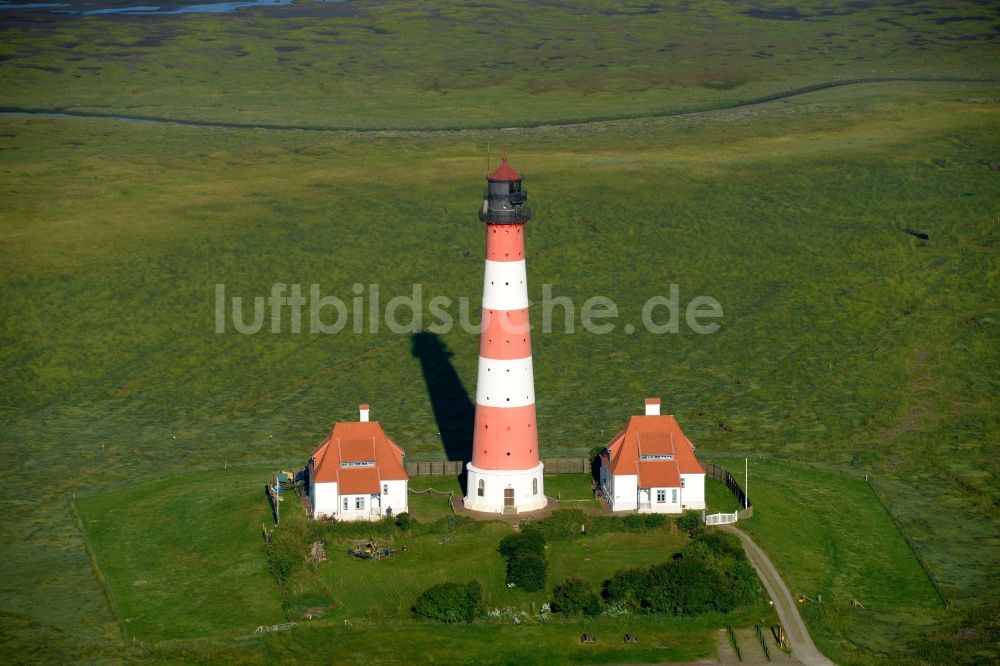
(719, 473)
(456, 467)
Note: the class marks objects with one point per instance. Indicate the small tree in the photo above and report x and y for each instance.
(451, 602)
(527, 571)
(575, 596)
(626, 585)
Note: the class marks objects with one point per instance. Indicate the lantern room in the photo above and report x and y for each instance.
(504, 199)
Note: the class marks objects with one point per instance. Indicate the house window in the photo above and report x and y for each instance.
(482, 488)
(673, 496)
(661, 496)
(656, 456)
(345, 504)
(359, 503)
(534, 486)
(682, 482)
(385, 488)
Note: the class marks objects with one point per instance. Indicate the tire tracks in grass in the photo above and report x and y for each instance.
(753, 101)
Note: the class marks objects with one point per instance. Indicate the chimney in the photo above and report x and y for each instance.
(652, 406)
(363, 409)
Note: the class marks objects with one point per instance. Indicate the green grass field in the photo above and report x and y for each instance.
(838, 545)
(180, 569)
(847, 347)
(354, 66)
(183, 556)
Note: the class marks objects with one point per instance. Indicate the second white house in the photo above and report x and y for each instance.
(650, 466)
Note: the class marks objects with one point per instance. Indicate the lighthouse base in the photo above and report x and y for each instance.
(504, 490)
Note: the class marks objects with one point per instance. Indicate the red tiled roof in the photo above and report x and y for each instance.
(652, 435)
(358, 449)
(504, 171)
(359, 481)
(659, 474)
(357, 441)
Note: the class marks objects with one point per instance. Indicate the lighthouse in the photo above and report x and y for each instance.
(505, 475)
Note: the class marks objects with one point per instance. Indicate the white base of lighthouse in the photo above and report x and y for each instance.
(504, 490)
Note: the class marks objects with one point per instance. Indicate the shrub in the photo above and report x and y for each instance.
(654, 520)
(525, 553)
(710, 574)
(575, 596)
(634, 521)
(690, 521)
(403, 521)
(451, 602)
(527, 571)
(288, 547)
(720, 543)
(563, 523)
(647, 521)
(626, 585)
(529, 541)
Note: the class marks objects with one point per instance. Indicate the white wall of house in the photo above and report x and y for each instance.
(355, 507)
(693, 492)
(394, 494)
(663, 500)
(622, 490)
(323, 498)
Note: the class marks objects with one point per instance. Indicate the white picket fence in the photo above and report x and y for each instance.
(722, 518)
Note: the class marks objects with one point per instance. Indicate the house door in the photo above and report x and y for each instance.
(508, 497)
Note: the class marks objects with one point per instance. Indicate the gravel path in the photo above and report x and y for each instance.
(795, 629)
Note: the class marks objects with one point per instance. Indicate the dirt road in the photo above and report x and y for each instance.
(795, 629)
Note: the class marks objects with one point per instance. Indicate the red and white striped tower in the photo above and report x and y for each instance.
(505, 475)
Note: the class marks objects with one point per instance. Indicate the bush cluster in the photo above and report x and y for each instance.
(710, 574)
(638, 521)
(690, 521)
(451, 602)
(575, 596)
(526, 565)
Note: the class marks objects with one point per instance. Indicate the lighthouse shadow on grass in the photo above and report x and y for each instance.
(454, 411)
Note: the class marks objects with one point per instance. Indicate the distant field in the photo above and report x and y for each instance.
(449, 65)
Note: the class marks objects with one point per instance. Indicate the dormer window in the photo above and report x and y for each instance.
(357, 463)
(656, 456)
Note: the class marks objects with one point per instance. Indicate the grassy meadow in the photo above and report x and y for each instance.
(847, 346)
(838, 545)
(427, 65)
(179, 569)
